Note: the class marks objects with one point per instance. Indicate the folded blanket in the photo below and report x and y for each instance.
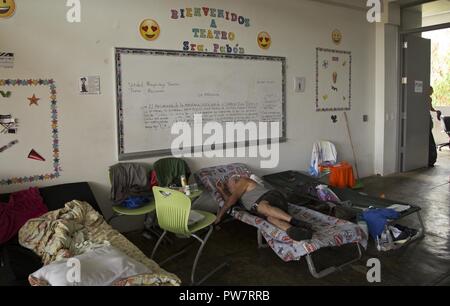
(77, 228)
(22, 206)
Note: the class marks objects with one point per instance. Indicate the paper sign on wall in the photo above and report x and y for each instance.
(299, 84)
(90, 85)
(6, 60)
(418, 86)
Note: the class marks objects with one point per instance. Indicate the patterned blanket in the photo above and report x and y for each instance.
(77, 228)
(328, 231)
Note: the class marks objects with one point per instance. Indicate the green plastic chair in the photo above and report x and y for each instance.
(172, 211)
(119, 210)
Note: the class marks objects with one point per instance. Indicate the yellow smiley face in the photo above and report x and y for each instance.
(264, 40)
(149, 29)
(7, 8)
(336, 36)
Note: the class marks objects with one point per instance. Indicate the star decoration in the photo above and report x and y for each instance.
(33, 100)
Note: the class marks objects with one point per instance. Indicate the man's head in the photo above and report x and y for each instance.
(431, 91)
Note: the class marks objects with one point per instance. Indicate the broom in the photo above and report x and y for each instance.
(358, 184)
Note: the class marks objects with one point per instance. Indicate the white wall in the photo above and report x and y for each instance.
(387, 92)
(46, 46)
(392, 103)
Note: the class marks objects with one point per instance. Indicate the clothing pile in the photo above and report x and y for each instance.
(394, 236)
(323, 154)
(130, 185)
(21, 207)
(387, 236)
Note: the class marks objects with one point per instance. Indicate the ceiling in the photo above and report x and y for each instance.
(431, 8)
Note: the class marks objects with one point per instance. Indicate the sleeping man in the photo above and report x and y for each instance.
(269, 204)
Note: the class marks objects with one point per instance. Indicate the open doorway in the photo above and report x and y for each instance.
(425, 45)
(440, 81)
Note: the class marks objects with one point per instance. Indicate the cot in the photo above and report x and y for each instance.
(328, 231)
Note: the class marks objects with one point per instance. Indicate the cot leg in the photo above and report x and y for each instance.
(422, 226)
(260, 238)
(332, 269)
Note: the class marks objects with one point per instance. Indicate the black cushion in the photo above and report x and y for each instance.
(56, 196)
(21, 261)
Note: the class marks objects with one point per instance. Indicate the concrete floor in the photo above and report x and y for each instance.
(423, 262)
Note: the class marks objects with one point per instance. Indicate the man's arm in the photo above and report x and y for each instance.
(223, 191)
(230, 202)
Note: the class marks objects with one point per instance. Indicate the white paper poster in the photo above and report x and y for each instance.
(89, 85)
(6, 60)
(333, 80)
(418, 86)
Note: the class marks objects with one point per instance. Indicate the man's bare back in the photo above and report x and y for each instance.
(269, 204)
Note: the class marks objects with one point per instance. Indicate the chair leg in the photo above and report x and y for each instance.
(114, 215)
(199, 252)
(158, 243)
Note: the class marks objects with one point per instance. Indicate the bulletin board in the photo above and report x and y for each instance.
(333, 80)
(29, 139)
(156, 88)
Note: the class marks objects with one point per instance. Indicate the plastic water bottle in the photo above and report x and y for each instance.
(183, 181)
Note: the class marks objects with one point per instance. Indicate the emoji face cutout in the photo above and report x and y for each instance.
(264, 40)
(7, 8)
(336, 36)
(149, 29)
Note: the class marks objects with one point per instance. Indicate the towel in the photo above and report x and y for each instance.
(323, 152)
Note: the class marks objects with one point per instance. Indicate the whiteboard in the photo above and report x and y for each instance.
(157, 88)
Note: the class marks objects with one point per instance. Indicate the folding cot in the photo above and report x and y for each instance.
(328, 231)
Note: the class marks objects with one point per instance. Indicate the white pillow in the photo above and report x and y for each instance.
(99, 267)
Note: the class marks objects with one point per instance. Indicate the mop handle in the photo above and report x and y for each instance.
(351, 144)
